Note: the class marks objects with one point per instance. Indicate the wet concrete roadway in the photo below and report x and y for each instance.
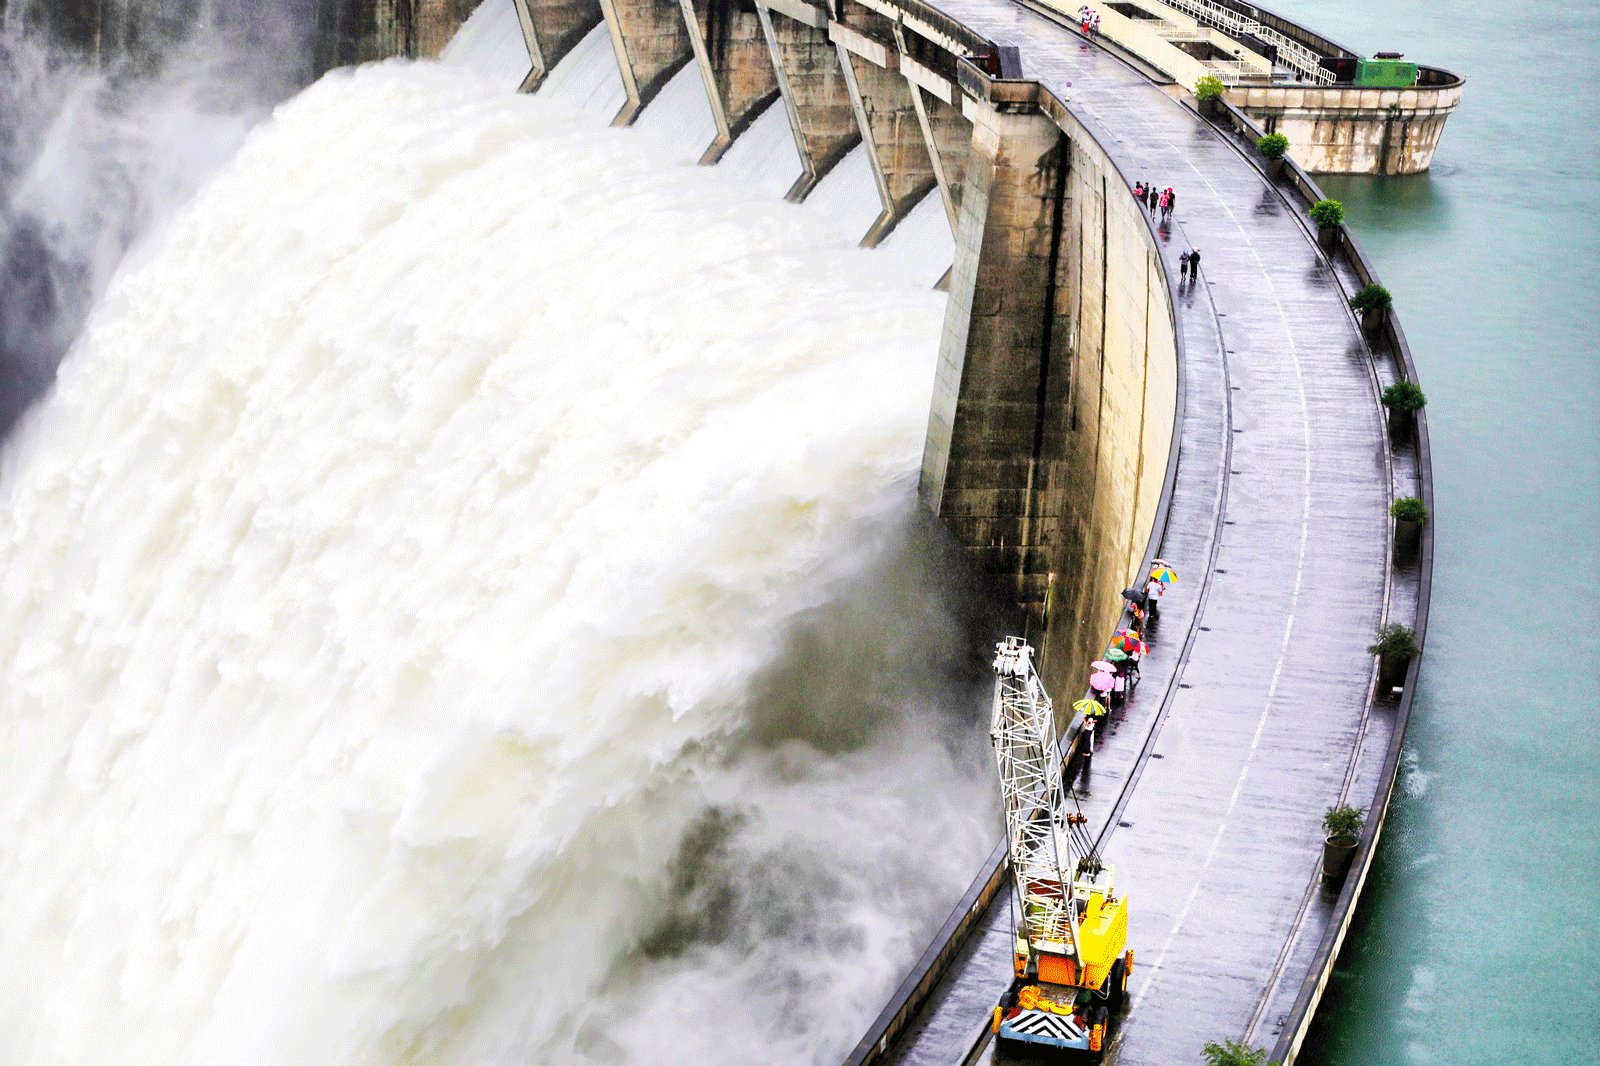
(1253, 716)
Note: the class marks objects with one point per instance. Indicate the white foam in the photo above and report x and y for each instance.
(491, 45)
(445, 617)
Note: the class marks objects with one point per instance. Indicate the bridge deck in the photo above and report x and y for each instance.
(1254, 715)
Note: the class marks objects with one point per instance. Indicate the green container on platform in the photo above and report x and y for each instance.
(1385, 74)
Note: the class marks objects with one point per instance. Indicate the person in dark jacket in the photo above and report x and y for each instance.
(1194, 265)
(1151, 197)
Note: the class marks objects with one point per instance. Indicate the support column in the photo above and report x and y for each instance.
(949, 138)
(652, 44)
(889, 125)
(995, 383)
(734, 60)
(552, 28)
(812, 82)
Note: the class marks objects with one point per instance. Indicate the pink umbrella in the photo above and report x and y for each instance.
(1102, 682)
(1101, 664)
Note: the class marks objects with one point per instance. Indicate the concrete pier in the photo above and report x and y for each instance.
(551, 28)
(812, 81)
(731, 49)
(652, 43)
(887, 117)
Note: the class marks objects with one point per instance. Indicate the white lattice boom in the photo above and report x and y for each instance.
(1023, 731)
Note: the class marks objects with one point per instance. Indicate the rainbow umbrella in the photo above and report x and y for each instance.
(1129, 643)
(1164, 574)
(1089, 708)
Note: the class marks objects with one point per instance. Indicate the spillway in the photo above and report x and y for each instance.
(462, 602)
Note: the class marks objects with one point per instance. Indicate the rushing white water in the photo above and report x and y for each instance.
(455, 607)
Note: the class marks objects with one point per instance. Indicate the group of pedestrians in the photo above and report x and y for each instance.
(1089, 21)
(1156, 199)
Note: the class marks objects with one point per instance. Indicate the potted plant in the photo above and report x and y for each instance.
(1329, 216)
(1409, 514)
(1373, 301)
(1230, 1053)
(1208, 90)
(1272, 148)
(1403, 400)
(1343, 825)
(1395, 646)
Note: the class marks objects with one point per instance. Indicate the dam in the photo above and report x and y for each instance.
(1089, 412)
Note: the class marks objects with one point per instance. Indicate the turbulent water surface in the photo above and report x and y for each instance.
(460, 603)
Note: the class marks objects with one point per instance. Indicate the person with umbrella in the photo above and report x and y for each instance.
(1092, 711)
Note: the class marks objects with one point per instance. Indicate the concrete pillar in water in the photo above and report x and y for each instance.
(652, 44)
(887, 115)
(981, 469)
(731, 48)
(812, 82)
(552, 28)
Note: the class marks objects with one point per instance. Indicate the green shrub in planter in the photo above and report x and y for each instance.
(1409, 509)
(1229, 1053)
(1371, 297)
(1208, 88)
(1404, 396)
(1273, 145)
(1327, 213)
(1395, 641)
(1344, 825)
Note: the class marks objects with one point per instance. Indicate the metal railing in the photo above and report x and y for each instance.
(1292, 53)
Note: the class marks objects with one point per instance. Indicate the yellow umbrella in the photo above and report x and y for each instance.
(1089, 708)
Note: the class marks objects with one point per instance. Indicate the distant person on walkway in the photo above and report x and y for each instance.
(1138, 192)
(1152, 595)
(1150, 198)
(1183, 267)
(1094, 24)
(1166, 206)
(1194, 265)
(1172, 198)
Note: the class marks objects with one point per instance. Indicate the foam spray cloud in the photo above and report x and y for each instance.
(460, 603)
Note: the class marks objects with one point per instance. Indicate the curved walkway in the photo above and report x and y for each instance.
(1254, 715)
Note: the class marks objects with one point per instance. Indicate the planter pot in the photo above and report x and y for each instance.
(1276, 168)
(1402, 424)
(1372, 320)
(1211, 108)
(1391, 674)
(1336, 860)
(1328, 239)
(1407, 539)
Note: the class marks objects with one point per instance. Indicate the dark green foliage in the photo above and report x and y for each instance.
(1344, 824)
(1395, 640)
(1273, 145)
(1230, 1053)
(1327, 213)
(1404, 396)
(1409, 509)
(1372, 298)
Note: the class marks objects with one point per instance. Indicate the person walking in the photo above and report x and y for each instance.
(1183, 267)
(1150, 199)
(1194, 265)
(1094, 24)
(1166, 206)
(1172, 199)
(1138, 192)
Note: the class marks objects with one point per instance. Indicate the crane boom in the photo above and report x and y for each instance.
(1023, 731)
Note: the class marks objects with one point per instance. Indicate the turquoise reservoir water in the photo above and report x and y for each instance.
(1477, 942)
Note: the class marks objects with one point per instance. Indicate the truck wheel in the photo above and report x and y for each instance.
(1116, 987)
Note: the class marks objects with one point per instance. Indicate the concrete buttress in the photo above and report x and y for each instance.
(889, 123)
(812, 82)
(731, 49)
(949, 138)
(994, 383)
(552, 28)
(652, 43)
